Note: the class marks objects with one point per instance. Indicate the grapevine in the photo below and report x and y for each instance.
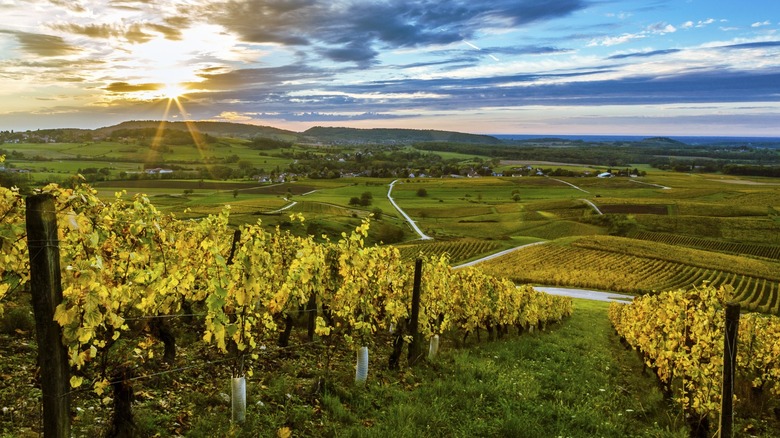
(126, 265)
(680, 334)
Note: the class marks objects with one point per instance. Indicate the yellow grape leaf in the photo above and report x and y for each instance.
(76, 381)
(101, 386)
(284, 432)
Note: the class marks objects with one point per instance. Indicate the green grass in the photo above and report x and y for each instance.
(572, 380)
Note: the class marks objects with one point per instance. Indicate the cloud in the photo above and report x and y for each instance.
(644, 54)
(661, 28)
(265, 78)
(754, 45)
(761, 23)
(706, 22)
(72, 5)
(130, 5)
(527, 50)
(615, 40)
(353, 51)
(124, 87)
(358, 32)
(332, 117)
(234, 116)
(134, 33)
(41, 44)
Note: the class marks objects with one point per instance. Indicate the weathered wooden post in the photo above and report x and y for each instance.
(729, 364)
(415, 348)
(46, 289)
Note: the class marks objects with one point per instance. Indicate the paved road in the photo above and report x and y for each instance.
(592, 205)
(498, 254)
(406, 216)
(570, 184)
(649, 184)
(283, 208)
(585, 294)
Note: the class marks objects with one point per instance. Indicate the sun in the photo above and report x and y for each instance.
(172, 91)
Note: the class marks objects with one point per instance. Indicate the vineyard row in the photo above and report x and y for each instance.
(456, 251)
(605, 270)
(124, 261)
(680, 333)
(766, 251)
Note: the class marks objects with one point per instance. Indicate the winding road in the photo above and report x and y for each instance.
(498, 254)
(585, 294)
(574, 293)
(592, 205)
(416, 229)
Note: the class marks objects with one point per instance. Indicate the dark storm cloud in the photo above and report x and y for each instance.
(357, 31)
(41, 44)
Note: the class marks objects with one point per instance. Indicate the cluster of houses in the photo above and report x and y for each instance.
(13, 170)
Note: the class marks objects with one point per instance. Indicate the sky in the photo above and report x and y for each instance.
(601, 67)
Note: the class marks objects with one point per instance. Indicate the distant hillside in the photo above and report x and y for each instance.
(313, 135)
(217, 129)
(661, 141)
(393, 136)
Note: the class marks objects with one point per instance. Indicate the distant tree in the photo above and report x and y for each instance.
(235, 193)
(354, 201)
(245, 167)
(387, 233)
(422, 192)
(377, 213)
(365, 199)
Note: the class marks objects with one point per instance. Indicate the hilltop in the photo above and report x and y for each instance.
(395, 136)
(315, 135)
(217, 129)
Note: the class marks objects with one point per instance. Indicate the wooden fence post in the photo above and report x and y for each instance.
(415, 348)
(46, 292)
(729, 364)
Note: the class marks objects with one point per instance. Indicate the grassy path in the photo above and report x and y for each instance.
(573, 380)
